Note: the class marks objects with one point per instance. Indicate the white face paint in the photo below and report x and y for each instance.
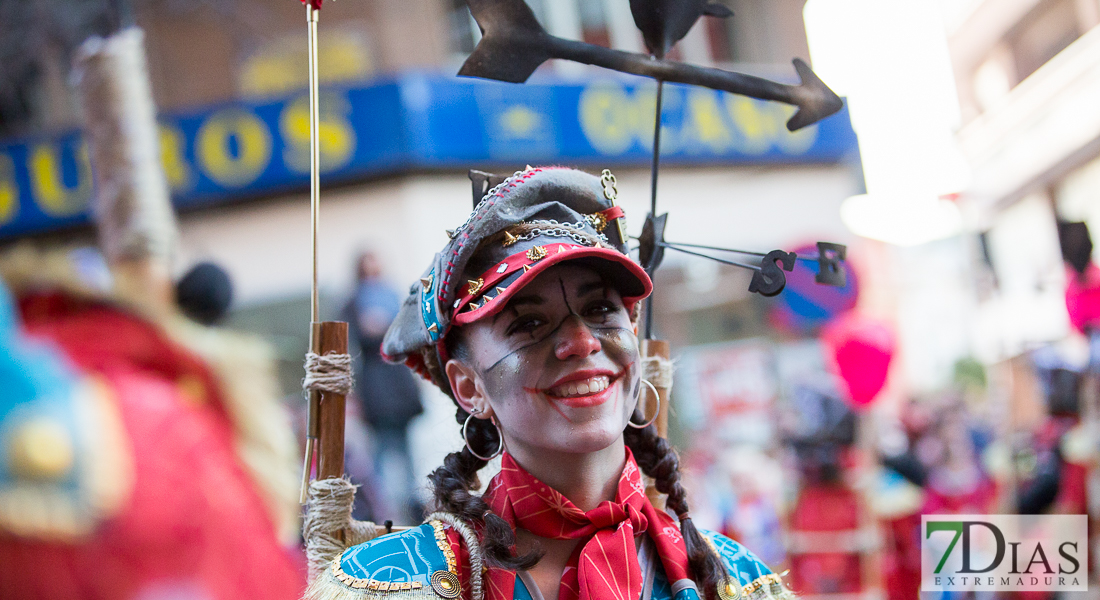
(558, 364)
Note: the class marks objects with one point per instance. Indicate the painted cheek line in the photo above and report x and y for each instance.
(521, 348)
(546, 397)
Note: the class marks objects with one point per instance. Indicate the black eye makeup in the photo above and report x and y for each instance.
(525, 324)
(601, 310)
(528, 323)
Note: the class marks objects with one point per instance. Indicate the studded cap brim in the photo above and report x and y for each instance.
(627, 276)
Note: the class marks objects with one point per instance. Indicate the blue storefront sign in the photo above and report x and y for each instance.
(417, 121)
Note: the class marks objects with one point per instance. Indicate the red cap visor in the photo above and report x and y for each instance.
(626, 275)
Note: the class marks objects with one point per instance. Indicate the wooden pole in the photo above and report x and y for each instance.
(657, 348)
(650, 349)
(330, 337)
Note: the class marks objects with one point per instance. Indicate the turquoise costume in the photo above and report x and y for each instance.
(420, 563)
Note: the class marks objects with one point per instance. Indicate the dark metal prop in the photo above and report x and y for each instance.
(514, 44)
(665, 22)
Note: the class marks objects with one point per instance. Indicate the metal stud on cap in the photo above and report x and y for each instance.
(536, 253)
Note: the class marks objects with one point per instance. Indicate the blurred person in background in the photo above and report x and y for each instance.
(950, 451)
(389, 397)
(824, 523)
(1053, 463)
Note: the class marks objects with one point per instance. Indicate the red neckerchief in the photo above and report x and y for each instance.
(605, 566)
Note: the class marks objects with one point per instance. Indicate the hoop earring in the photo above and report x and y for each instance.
(655, 413)
(465, 438)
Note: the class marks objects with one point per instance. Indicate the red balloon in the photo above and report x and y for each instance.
(861, 349)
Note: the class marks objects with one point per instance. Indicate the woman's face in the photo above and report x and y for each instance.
(557, 367)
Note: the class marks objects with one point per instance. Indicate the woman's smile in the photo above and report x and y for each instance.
(582, 389)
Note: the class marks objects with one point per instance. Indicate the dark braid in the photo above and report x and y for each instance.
(658, 460)
(454, 485)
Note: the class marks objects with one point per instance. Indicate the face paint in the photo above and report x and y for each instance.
(559, 364)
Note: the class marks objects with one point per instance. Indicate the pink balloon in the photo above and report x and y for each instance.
(1083, 297)
(861, 350)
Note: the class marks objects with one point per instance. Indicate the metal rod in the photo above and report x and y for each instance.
(714, 258)
(734, 250)
(307, 470)
(648, 334)
(312, 15)
(312, 420)
(656, 151)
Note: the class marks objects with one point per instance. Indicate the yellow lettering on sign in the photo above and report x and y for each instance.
(48, 187)
(173, 157)
(214, 147)
(704, 122)
(337, 136)
(757, 124)
(607, 118)
(795, 142)
(9, 190)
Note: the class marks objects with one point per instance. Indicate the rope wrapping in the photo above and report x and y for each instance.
(473, 546)
(328, 373)
(132, 207)
(328, 527)
(658, 371)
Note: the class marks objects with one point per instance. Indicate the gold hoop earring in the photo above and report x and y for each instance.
(655, 413)
(465, 438)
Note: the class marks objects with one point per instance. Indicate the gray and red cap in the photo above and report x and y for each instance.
(531, 221)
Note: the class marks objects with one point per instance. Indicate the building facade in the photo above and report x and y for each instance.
(1028, 73)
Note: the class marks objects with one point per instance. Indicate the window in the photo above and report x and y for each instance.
(1046, 31)
(594, 23)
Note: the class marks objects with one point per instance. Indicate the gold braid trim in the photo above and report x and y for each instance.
(768, 586)
(335, 584)
(444, 545)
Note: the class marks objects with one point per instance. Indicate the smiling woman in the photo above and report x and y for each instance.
(527, 321)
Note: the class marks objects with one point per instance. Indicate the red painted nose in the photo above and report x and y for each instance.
(575, 340)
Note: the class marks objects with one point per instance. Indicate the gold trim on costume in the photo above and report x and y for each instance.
(444, 545)
(363, 583)
(767, 586)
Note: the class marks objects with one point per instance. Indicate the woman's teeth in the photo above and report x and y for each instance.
(584, 387)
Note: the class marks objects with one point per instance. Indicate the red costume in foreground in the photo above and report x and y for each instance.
(193, 523)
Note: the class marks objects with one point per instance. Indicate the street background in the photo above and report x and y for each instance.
(952, 373)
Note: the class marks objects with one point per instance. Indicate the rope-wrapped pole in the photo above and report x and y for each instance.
(132, 206)
(657, 370)
(328, 527)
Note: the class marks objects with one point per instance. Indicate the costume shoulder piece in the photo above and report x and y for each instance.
(757, 581)
(64, 461)
(413, 564)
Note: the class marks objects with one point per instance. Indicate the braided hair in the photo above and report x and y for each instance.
(454, 486)
(657, 459)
